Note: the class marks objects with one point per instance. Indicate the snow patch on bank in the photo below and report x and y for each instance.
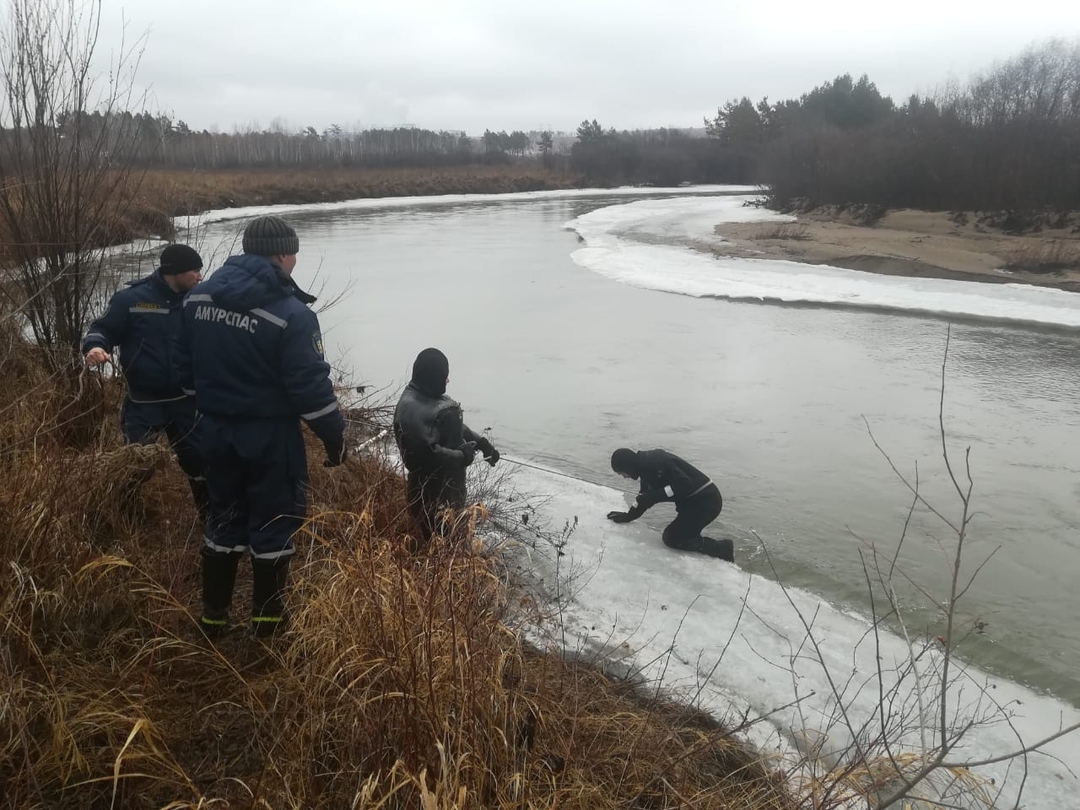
(656, 245)
(246, 212)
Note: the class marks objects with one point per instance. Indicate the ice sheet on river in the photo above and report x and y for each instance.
(676, 615)
(657, 245)
(225, 214)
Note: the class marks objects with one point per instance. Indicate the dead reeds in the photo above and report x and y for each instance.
(1054, 256)
(403, 680)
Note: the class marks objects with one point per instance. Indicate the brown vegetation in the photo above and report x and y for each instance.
(964, 246)
(1052, 256)
(785, 231)
(402, 681)
(159, 195)
(176, 193)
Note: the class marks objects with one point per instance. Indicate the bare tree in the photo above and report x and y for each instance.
(67, 137)
(914, 749)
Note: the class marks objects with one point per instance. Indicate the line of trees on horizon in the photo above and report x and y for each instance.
(163, 141)
(1008, 139)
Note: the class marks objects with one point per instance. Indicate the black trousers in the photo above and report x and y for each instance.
(694, 514)
(428, 495)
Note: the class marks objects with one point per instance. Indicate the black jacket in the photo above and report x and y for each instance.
(665, 478)
(429, 431)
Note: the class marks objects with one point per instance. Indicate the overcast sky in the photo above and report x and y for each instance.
(548, 65)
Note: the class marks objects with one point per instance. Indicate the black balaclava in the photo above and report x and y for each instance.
(625, 461)
(430, 371)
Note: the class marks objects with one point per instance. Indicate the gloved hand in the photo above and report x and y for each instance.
(492, 457)
(336, 452)
(468, 452)
(618, 517)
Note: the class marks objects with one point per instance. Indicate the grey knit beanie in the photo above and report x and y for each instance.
(270, 236)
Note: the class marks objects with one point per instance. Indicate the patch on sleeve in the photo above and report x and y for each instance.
(317, 345)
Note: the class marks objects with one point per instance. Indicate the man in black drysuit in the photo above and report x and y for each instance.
(435, 444)
(667, 478)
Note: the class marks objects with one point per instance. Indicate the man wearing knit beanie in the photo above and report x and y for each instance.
(253, 358)
(270, 236)
(143, 319)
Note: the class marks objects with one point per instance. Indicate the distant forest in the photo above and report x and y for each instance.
(1007, 140)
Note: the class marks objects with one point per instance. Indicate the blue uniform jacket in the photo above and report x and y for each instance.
(252, 348)
(144, 321)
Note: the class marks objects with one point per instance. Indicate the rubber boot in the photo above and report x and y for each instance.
(269, 580)
(723, 549)
(218, 579)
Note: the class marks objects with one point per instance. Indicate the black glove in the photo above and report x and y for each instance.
(492, 457)
(468, 452)
(618, 517)
(336, 451)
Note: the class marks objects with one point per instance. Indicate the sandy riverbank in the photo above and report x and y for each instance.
(964, 246)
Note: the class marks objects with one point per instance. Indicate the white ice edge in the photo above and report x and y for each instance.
(633, 594)
(245, 212)
(647, 244)
(134, 248)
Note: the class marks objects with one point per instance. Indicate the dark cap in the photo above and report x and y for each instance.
(177, 259)
(270, 236)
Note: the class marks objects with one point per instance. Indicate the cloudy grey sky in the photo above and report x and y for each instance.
(477, 64)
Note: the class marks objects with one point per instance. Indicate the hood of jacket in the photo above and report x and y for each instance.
(430, 371)
(248, 281)
(626, 461)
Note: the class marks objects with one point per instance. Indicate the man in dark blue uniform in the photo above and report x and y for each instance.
(144, 320)
(666, 478)
(435, 444)
(255, 363)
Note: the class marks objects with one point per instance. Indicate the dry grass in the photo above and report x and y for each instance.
(402, 681)
(159, 195)
(787, 231)
(1055, 256)
(177, 193)
(868, 784)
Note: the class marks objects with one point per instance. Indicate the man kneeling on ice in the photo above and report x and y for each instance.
(667, 478)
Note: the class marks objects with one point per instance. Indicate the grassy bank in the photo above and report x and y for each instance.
(166, 194)
(145, 202)
(403, 681)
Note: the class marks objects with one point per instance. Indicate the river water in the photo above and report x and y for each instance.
(776, 402)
